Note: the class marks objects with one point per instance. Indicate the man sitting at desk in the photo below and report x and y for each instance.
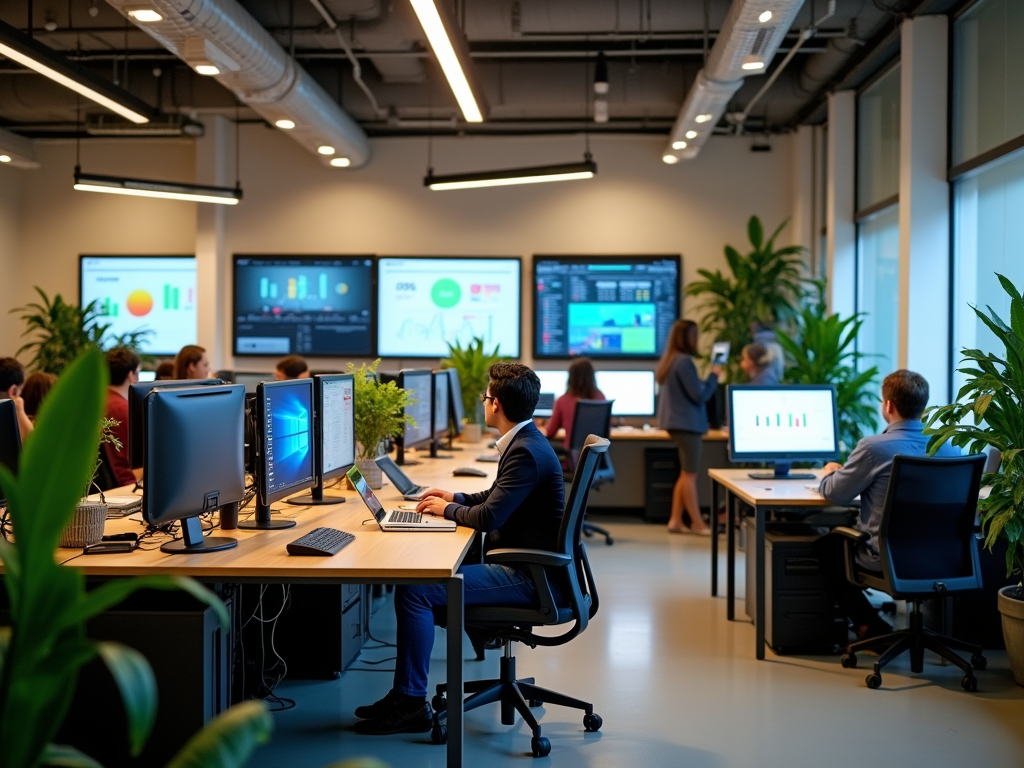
(523, 508)
(866, 473)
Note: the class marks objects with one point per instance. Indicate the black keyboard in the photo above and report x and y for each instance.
(320, 541)
(406, 517)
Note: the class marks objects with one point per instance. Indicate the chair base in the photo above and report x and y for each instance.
(917, 639)
(589, 529)
(514, 695)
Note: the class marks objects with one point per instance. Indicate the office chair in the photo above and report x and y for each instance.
(565, 593)
(929, 551)
(593, 417)
(105, 479)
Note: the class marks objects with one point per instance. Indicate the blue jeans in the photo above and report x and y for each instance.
(414, 604)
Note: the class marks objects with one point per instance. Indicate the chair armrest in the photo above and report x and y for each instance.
(850, 533)
(528, 557)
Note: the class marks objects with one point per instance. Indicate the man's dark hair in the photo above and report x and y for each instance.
(12, 373)
(121, 361)
(517, 388)
(908, 392)
(165, 371)
(292, 366)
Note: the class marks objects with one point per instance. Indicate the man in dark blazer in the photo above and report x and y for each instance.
(523, 508)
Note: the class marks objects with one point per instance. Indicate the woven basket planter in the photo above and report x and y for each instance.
(85, 527)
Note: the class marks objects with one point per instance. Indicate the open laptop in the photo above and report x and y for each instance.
(405, 486)
(395, 520)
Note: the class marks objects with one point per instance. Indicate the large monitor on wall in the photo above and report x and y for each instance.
(604, 307)
(153, 293)
(430, 302)
(632, 391)
(304, 305)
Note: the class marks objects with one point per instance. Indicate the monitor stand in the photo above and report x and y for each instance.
(451, 440)
(400, 459)
(262, 521)
(315, 498)
(435, 444)
(782, 473)
(192, 540)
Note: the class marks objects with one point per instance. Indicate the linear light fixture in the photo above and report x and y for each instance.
(538, 175)
(168, 190)
(30, 53)
(444, 46)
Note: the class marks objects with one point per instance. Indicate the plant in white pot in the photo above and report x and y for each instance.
(380, 414)
(472, 362)
(989, 411)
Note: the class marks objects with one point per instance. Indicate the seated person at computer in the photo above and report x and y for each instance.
(757, 361)
(581, 387)
(36, 387)
(291, 367)
(165, 372)
(12, 378)
(124, 371)
(523, 508)
(192, 363)
(866, 473)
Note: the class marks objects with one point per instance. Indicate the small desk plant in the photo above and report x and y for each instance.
(380, 414)
(472, 362)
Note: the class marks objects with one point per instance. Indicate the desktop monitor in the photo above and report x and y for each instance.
(146, 376)
(335, 429)
(632, 391)
(136, 405)
(419, 384)
(193, 460)
(554, 382)
(284, 447)
(440, 415)
(251, 380)
(782, 424)
(10, 439)
(456, 411)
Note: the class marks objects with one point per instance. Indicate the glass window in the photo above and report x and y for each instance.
(988, 77)
(878, 140)
(989, 238)
(878, 282)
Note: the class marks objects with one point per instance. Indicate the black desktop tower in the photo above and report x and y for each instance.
(661, 470)
(323, 629)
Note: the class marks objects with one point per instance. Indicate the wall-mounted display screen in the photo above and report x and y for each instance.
(608, 306)
(135, 293)
(306, 306)
(425, 303)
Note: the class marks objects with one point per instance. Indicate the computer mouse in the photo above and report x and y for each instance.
(468, 472)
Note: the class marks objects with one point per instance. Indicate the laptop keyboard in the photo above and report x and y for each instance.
(406, 517)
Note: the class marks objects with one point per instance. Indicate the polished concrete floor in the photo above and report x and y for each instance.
(677, 685)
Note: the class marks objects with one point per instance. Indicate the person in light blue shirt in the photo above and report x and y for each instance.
(866, 474)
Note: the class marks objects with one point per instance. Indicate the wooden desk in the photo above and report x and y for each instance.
(763, 496)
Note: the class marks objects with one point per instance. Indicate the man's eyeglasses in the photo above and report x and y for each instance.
(484, 397)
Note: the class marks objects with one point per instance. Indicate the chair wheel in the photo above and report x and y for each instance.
(439, 734)
(969, 683)
(609, 541)
(849, 661)
(874, 680)
(439, 703)
(541, 747)
(592, 722)
(978, 661)
(534, 703)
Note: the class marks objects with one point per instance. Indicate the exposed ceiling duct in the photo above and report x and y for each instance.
(746, 44)
(219, 36)
(17, 150)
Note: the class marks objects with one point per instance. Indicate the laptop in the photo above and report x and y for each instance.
(395, 520)
(405, 486)
(117, 506)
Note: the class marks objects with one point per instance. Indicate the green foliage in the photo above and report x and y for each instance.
(45, 646)
(472, 362)
(61, 332)
(766, 285)
(989, 411)
(823, 352)
(379, 409)
(229, 740)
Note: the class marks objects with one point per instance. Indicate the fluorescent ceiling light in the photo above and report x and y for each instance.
(702, 118)
(678, 145)
(5, 158)
(326, 149)
(144, 14)
(443, 49)
(691, 134)
(538, 175)
(669, 159)
(751, 64)
(285, 125)
(765, 17)
(195, 193)
(26, 51)
(341, 162)
(207, 69)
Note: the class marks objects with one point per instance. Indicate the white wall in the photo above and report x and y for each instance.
(10, 214)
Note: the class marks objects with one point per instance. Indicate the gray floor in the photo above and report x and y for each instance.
(678, 685)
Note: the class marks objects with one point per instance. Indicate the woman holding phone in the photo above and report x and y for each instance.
(682, 412)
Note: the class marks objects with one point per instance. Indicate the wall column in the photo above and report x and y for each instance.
(802, 224)
(841, 245)
(924, 204)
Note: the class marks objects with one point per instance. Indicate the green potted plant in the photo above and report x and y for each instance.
(472, 362)
(87, 522)
(380, 414)
(989, 411)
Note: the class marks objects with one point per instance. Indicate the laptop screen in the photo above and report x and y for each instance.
(366, 494)
(395, 474)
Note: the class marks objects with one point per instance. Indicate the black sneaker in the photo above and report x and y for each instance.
(389, 716)
(377, 709)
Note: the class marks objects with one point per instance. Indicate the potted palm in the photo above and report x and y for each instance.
(380, 414)
(987, 412)
(472, 362)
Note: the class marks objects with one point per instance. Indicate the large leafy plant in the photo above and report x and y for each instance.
(45, 646)
(989, 411)
(766, 285)
(380, 409)
(472, 362)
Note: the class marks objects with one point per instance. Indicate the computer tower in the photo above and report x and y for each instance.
(323, 629)
(661, 470)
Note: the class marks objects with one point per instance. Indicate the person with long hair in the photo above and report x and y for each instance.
(757, 361)
(191, 363)
(35, 388)
(682, 412)
(582, 386)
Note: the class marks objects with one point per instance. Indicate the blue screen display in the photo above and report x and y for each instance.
(289, 436)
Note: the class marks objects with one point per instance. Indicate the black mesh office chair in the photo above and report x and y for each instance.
(929, 551)
(593, 417)
(566, 593)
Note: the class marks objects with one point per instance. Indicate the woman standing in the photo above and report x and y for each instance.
(581, 387)
(682, 411)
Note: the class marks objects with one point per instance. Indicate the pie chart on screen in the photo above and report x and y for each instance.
(139, 303)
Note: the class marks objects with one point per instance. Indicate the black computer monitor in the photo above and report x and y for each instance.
(284, 447)
(136, 403)
(193, 460)
(419, 384)
(439, 413)
(456, 411)
(783, 424)
(251, 380)
(10, 439)
(334, 400)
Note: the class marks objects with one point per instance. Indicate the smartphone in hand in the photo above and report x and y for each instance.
(720, 352)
